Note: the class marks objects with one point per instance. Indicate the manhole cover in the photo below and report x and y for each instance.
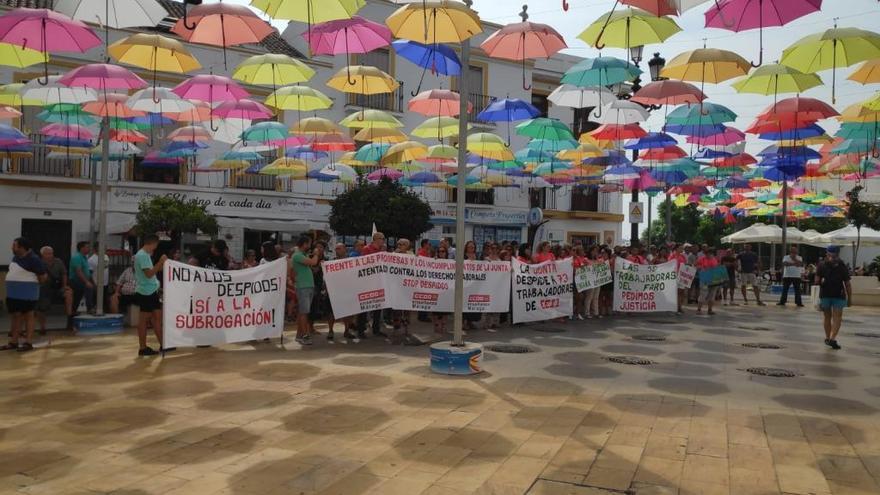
(663, 322)
(633, 360)
(510, 348)
(868, 335)
(649, 338)
(762, 345)
(757, 329)
(549, 329)
(774, 372)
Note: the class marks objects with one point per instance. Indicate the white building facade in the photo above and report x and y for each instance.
(48, 199)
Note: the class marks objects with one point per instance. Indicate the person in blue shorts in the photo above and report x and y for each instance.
(835, 293)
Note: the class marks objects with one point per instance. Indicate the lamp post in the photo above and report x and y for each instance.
(655, 66)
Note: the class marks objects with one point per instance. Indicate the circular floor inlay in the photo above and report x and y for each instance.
(774, 372)
(510, 348)
(762, 345)
(649, 337)
(633, 360)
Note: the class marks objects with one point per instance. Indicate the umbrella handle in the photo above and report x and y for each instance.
(211, 124)
(564, 6)
(525, 86)
(596, 44)
(760, 36)
(422, 78)
(599, 114)
(186, 24)
(351, 82)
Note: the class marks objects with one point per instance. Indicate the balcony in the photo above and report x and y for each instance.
(479, 103)
(389, 102)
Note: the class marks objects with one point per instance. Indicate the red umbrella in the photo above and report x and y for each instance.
(740, 160)
(800, 108)
(112, 105)
(771, 123)
(222, 24)
(662, 154)
(668, 92)
(333, 142)
(656, 7)
(523, 40)
(127, 136)
(617, 132)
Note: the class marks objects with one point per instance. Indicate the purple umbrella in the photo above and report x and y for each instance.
(385, 173)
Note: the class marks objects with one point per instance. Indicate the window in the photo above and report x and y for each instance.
(161, 175)
(540, 102)
(474, 197)
(380, 59)
(254, 181)
(542, 198)
(585, 199)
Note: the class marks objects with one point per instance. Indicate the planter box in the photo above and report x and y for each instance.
(866, 291)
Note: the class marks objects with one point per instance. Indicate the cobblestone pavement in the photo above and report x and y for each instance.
(85, 416)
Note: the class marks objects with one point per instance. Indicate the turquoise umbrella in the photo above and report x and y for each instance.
(372, 152)
(264, 132)
(704, 114)
(544, 128)
(552, 145)
(600, 71)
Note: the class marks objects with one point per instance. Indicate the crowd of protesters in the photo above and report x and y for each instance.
(308, 302)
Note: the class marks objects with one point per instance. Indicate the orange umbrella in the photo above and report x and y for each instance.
(222, 24)
(111, 105)
(201, 112)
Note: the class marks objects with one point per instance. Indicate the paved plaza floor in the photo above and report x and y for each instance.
(85, 416)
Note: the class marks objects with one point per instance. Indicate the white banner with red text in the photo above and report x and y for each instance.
(645, 288)
(414, 283)
(543, 291)
(211, 307)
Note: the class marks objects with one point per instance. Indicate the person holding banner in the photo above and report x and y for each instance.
(491, 320)
(438, 318)
(470, 254)
(591, 302)
(580, 298)
(705, 264)
(543, 253)
(147, 293)
(302, 265)
(680, 260)
(378, 245)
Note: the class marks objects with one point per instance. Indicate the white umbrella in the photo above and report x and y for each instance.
(569, 95)
(54, 92)
(228, 130)
(621, 112)
(158, 100)
(122, 13)
(850, 235)
(770, 234)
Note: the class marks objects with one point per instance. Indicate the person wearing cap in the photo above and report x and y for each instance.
(835, 293)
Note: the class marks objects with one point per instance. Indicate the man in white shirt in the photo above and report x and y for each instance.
(792, 271)
(93, 267)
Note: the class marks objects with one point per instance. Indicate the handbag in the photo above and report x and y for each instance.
(814, 297)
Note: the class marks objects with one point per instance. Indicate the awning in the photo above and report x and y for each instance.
(289, 227)
(120, 223)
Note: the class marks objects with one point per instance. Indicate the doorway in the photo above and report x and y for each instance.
(55, 233)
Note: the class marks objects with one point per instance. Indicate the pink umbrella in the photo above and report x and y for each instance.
(74, 131)
(222, 24)
(524, 40)
(45, 30)
(728, 137)
(333, 142)
(242, 109)
(643, 182)
(354, 35)
(742, 15)
(388, 173)
(189, 133)
(439, 102)
(211, 89)
(103, 76)
(668, 92)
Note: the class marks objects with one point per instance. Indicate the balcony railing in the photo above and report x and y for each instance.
(390, 102)
(479, 103)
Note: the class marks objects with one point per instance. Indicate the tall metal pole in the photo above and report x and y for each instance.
(102, 215)
(668, 216)
(463, 91)
(650, 207)
(784, 217)
(634, 232)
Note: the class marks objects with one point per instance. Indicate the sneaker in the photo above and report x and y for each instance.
(27, 346)
(827, 342)
(834, 345)
(348, 335)
(304, 340)
(330, 336)
(580, 317)
(761, 304)
(147, 351)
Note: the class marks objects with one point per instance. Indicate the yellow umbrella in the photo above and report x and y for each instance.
(348, 158)
(706, 65)
(315, 125)
(18, 56)
(602, 144)
(380, 135)
(580, 153)
(300, 98)
(485, 141)
(406, 151)
(443, 21)
(363, 80)
(154, 52)
(273, 69)
(860, 113)
(437, 127)
(816, 140)
(10, 94)
(873, 103)
(229, 164)
(867, 73)
(310, 11)
(371, 118)
(627, 28)
(287, 167)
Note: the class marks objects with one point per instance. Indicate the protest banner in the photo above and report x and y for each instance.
(592, 276)
(542, 291)
(414, 283)
(645, 288)
(686, 275)
(714, 276)
(210, 307)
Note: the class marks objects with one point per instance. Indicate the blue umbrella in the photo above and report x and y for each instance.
(794, 134)
(529, 155)
(320, 176)
(651, 140)
(9, 133)
(670, 177)
(508, 110)
(784, 172)
(623, 172)
(438, 58)
(709, 154)
(67, 142)
(783, 161)
(802, 151)
(733, 183)
(305, 153)
(151, 119)
(611, 159)
(422, 178)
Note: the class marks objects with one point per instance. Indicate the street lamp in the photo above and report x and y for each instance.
(655, 66)
(635, 53)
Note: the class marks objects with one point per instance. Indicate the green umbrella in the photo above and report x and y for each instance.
(600, 71)
(544, 128)
(704, 114)
(687, 166)
(627, 28)
(776, 79)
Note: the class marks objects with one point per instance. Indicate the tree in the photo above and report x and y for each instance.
(174, 217)
(685, 221)
(395, 210)
(861, 214)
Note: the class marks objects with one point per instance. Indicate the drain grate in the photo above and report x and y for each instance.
(774, 372)
(867, 335)
(755, 328)
(548, 329)
(762, 345)
(510, 348)
(632, 360)
(649, 338)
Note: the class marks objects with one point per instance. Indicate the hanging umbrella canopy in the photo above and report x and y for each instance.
(440, 59)
(523, 40)
(441, 153)
(726, 137)
(703, 114)
(668, 92)
(272, 69)
(616, 132)
(627, 28)
(113, 13)
(600, 71)
(154, 52)
(371, 118)
(385, 173)
(706, 65)
(552, 145)
(437, 127)
(242, 109)
(362, 79)
(315, 126)
(264, 132)
(569, 95)
(406, 151)
(776, 79)
(67, 113)
(662, 154)
(309, 11)
(210, 88)
(12, 95)
(21, 57)
(664, 7)
(351, 35)
(68, 131)
(54, 92)
(544, 128)
(300, 98)
(103, 77)
(222, 24)
(432, 22)
(9, 112)
(439, 102)
(833, 48)
(127, 136)
(333, 142)
(694, 130)
(508, 110)
(287, 167)
(159, 101)
(189, 133)
(112, 105)
(200, 112)
(867, 73)
(371, 153)
(380, 135)
(651, 140)
(621, 112)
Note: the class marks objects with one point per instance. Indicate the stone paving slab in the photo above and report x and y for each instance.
(85, 416)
